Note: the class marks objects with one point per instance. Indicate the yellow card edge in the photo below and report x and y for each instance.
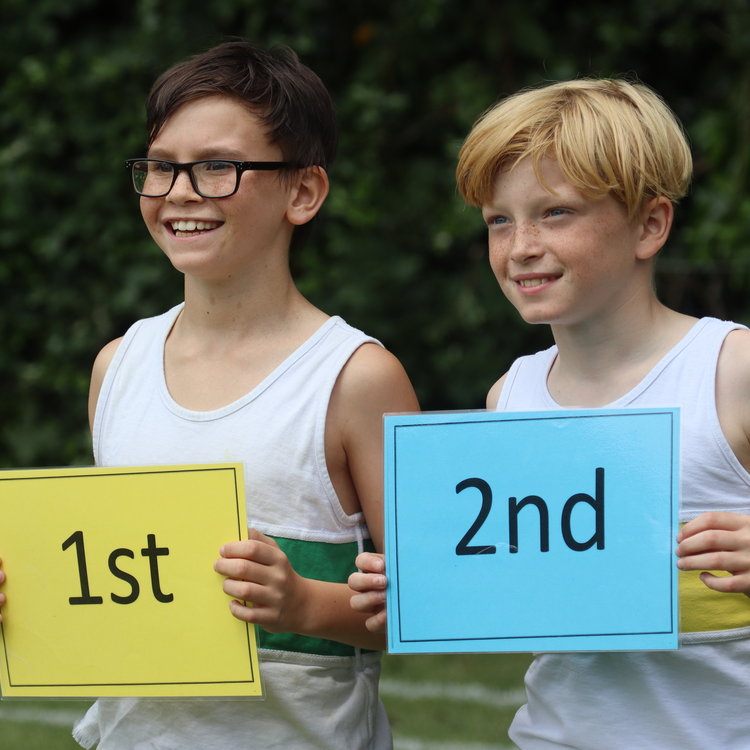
(244, 688)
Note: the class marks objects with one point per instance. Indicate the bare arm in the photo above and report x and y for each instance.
(372, 383)
(370, 582)
(494, 394)
(720, 540)
(101, 363)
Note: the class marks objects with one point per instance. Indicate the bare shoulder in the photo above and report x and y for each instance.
(372, 383)
(736, 348)
(733, 369)
(733, 393)
(375, 378)
(101, 364)
(106, 353)
(493, 396)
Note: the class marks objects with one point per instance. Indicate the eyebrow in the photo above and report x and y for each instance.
(203, 154)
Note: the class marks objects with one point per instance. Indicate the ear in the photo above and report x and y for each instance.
(309, 191)
(655, 223)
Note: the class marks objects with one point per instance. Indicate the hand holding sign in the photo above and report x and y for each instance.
(370, 583)
(258, 571)
(717, 541)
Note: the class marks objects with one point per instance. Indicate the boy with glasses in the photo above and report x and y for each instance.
(577, 183)
(246, 369)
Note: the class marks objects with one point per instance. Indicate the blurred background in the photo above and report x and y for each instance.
(396, 252)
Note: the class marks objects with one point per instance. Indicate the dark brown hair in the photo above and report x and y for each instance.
(289, 98)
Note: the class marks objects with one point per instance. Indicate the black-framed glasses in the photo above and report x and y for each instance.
(210, 178)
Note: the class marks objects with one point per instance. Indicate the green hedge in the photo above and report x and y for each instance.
(395, 252)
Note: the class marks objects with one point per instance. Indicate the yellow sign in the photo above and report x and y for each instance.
(110, 583)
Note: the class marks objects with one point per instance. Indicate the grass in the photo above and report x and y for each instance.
(472, 699)
(39, 724)
(434, 701)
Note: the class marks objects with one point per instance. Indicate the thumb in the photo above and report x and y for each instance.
(257, 536)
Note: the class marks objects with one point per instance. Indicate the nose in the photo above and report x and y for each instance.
(526, 242)
(182, 188)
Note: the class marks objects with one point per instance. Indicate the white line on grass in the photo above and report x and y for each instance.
(67, 718)
(468, 693)
(408, 743)
(37, 715)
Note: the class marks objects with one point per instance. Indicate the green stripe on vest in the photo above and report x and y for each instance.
(322, 561)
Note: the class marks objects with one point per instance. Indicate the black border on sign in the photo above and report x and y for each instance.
(542, 416)
(133, 471)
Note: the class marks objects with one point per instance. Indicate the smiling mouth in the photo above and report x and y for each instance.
(527, 283)
(188, 228)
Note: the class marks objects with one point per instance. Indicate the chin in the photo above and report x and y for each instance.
(536, 317)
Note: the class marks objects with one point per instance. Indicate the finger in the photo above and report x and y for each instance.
(266, 617)
(714, 540)
(733, 562)
(368, 603)
(243, 611)
(732, 584)
(240, 569)
(712, 520)
(370, 562)
(376, 623)
(364, 582)
(249, 591)
(250, 549)
(259, 536)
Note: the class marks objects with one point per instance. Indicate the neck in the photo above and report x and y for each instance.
(228, 339)
(237, 308)
(602, 360)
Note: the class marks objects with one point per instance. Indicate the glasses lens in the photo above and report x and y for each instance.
(211, 178)
(215, 179)
(152, 178)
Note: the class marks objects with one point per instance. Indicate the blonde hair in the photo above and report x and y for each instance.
(608, 136)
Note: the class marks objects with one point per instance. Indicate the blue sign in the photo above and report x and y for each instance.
(534, 531)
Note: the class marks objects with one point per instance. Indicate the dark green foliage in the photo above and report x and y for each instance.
(395, 252)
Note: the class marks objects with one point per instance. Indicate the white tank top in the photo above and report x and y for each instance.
(320, 694)
(711, 476)
(691, 699)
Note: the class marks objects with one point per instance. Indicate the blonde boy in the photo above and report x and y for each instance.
(577, 184)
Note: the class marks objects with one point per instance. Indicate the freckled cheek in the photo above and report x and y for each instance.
(498, 256)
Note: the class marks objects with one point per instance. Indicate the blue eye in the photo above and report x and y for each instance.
(557, 211)
(498, 220)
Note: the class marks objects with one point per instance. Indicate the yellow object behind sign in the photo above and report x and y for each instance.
(705, 610)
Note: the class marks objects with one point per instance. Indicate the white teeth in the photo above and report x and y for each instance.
(533, 282)
(193, 226)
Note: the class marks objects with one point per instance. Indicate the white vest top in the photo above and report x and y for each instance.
(694, 698)
(320, 694)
